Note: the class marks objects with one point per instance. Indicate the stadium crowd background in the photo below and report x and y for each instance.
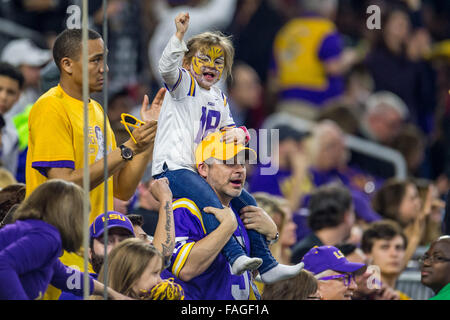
(387, 86)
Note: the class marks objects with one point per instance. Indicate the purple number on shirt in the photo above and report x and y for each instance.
(209, 122)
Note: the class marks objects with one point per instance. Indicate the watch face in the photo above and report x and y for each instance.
(127, 153)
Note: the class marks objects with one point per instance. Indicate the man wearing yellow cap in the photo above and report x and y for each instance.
(198, 258)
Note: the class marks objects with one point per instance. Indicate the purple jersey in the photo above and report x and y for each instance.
(217, 282)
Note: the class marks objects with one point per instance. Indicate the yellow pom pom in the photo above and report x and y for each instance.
(167, 290)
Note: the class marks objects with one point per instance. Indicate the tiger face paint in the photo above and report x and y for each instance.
(207, 66)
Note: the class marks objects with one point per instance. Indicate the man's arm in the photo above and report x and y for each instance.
(164, 238)
(127, 180)
(144, 136)
(205, 251)
(127, 174)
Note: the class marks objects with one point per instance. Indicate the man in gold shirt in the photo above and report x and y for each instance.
(56, 139)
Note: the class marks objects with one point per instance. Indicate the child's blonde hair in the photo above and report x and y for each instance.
(208, 39)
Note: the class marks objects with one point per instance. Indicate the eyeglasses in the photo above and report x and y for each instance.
(346, 278)
(132, 121)
(433, 259)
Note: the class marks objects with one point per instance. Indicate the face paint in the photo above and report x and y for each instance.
(212, 58)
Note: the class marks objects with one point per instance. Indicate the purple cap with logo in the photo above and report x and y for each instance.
(115, 220)
(319, 259)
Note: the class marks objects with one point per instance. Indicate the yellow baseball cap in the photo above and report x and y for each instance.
(213, 147)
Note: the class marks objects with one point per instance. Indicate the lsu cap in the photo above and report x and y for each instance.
(115, 220)
(319, 259)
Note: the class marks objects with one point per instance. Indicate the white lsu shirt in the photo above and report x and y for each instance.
(188, 114)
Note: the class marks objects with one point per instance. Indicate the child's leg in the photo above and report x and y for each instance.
(270, 270)
(258, 244)
(187, 184)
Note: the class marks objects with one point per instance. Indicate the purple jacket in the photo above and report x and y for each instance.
(29, 262)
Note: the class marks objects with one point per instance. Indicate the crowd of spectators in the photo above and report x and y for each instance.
(314, 60)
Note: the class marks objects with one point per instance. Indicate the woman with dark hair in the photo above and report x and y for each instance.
(399, 200)
(49, 221)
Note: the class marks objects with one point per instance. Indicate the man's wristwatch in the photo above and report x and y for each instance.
(277, 236)
(127, 153)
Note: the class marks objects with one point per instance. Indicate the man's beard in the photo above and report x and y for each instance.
(96, 262)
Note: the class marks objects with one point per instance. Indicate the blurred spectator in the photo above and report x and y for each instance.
(12, 82)
(393, 70)
(127, 39)
(11, 195)
(440, 149)
(309, 60)
(302, 287)
(436, 15)
(30, 59)
(411, 143)
(254, 26)
(244, 95)
(47, 17)
(434, 221)
(400, 201)
(335, 274)
(204, 16)
(435, 268)
(291, 180)
(384, 115)
(359, 85)
(134, 269)
(385, 244)
(331, 218)
(330, 164)
(11, 85)
(343, 115)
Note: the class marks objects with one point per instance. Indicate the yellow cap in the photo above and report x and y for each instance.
(213, 147)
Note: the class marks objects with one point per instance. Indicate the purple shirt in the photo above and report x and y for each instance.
(29, 261)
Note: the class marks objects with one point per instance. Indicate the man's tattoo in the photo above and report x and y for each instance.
(169, 242)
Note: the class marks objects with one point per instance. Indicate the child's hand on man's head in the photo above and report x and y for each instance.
(236, 135)
(182, 24)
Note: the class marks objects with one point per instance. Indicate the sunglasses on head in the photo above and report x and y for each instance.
(132, 121)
